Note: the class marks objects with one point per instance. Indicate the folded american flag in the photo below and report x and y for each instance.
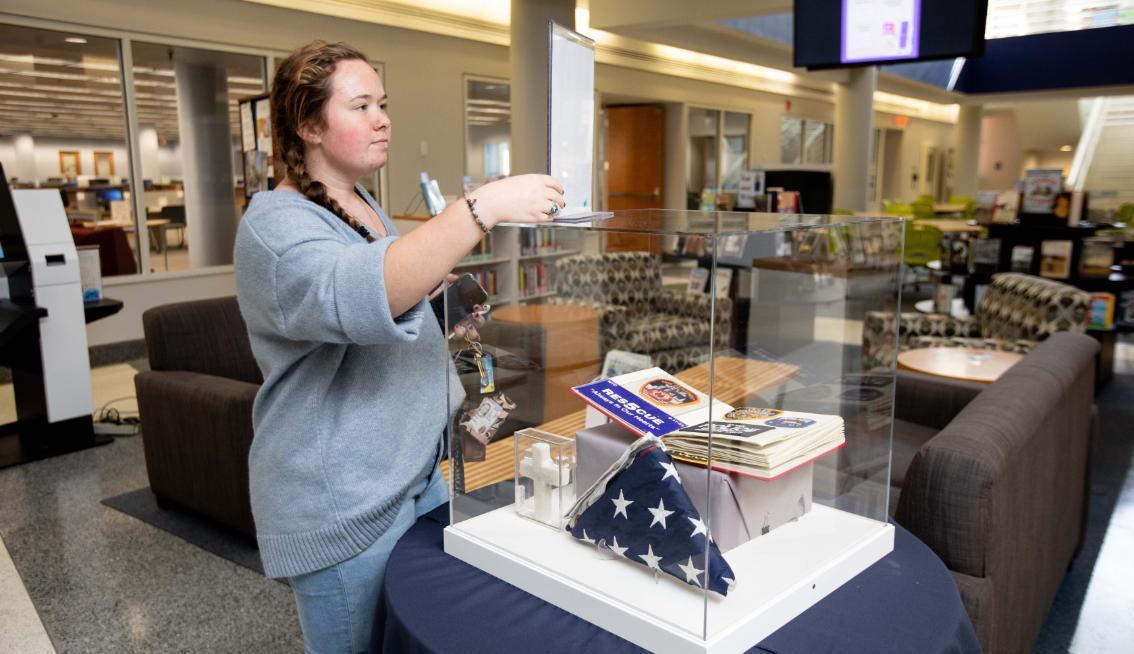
(639, 510)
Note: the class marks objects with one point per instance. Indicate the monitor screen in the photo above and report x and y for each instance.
(106, 195)
(835, 33)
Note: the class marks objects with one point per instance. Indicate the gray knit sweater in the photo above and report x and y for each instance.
(353, 403)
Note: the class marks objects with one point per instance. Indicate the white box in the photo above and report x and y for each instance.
(743, 508)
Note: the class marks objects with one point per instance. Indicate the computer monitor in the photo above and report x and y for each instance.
(840, 33)
(107, 195)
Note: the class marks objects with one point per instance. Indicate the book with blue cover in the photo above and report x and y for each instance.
(758, 442)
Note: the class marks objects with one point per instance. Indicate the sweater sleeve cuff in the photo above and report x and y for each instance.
(363, 305)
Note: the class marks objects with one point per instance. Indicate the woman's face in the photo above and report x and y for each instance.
(356, 136)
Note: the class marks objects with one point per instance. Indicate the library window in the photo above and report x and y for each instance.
(189, 137)
(718, 152)
(804, 141)
(63, 125)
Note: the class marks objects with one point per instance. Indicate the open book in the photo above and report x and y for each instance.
(757, 442)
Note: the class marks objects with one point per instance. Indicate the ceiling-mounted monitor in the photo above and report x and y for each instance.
(839, 33)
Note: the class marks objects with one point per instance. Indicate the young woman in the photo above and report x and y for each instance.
(349, 419)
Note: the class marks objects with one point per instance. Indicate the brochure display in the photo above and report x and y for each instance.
(719, 480)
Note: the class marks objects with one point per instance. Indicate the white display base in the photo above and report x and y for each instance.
(779, 576)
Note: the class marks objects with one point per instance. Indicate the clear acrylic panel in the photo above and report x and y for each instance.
(745, 328)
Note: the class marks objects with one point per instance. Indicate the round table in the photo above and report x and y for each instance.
(963, 363)
(434, 603)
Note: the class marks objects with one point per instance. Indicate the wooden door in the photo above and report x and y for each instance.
(635, 152)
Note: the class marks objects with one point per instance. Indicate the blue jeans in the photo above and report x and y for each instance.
(336, 605)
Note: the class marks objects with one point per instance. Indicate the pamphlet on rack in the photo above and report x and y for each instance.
(757, 442)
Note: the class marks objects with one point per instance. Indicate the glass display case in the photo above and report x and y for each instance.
(680, 441)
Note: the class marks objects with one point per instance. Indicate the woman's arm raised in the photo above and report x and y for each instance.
(416, 262)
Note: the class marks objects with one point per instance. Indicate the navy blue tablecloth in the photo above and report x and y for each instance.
(433, 603)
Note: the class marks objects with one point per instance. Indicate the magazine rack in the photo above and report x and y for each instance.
(776, 324)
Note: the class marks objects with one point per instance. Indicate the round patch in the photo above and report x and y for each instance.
(664, 392)
(750, 413)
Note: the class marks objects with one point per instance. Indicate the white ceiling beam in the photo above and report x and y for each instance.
(623, 15)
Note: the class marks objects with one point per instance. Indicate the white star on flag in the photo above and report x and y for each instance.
(651, 560)
(620, 505)
(670, 471)
(698, 527)
(691, 572)
(659, 514)
(620, 551)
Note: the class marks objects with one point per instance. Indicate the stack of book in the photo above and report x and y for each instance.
(757, 442)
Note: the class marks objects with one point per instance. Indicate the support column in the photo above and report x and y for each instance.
(24, 170)
(854, 126)
(966, 150)
(528, 57)
(206, 150)
(676, 153)
(148, 142)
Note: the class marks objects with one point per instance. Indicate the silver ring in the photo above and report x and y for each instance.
(554, 209)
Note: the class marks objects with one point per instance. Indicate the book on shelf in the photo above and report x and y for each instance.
(756, 442)
(538, 241)
(1021, 261)
(1101, 313)
(986, 255)
(1096, 258)
(487, 280)
(1055, 259)
(480, 252)
(534, 278)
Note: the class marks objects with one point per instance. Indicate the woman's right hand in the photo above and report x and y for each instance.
(518, 199)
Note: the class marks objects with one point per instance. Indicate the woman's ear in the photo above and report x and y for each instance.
(311, 135)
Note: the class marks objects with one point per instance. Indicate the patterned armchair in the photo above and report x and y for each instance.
(637, 314)
(1016, 312)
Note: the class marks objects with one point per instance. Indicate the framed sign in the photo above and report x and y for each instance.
(104, 164)
(69, 163)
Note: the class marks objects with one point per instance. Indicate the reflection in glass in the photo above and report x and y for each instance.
(488, 125)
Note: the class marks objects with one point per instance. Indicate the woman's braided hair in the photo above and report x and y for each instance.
(300, 91)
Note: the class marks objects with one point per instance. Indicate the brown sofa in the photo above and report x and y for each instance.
(999, 493)
(196, 409)
(196, 402)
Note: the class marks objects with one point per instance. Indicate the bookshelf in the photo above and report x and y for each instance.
(516, 265)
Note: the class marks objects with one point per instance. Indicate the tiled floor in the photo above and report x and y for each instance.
(101, 581)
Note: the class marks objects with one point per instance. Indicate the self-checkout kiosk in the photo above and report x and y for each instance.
(43, 337)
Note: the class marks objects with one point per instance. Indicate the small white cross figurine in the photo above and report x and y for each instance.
(546, 474)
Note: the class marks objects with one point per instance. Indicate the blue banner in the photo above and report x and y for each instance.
(624, 406)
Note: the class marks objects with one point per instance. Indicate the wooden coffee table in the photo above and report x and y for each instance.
(966, 364)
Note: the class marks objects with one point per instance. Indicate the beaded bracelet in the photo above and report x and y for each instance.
(476, 217)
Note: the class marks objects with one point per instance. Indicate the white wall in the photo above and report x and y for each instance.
(139, 293)
(1000, 157)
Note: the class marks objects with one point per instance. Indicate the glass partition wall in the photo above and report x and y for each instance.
(63, 125)
(110, 119)
(718, 152)
(189, 138)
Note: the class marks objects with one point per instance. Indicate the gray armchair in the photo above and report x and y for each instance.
(637, 314)
(1016, 312)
